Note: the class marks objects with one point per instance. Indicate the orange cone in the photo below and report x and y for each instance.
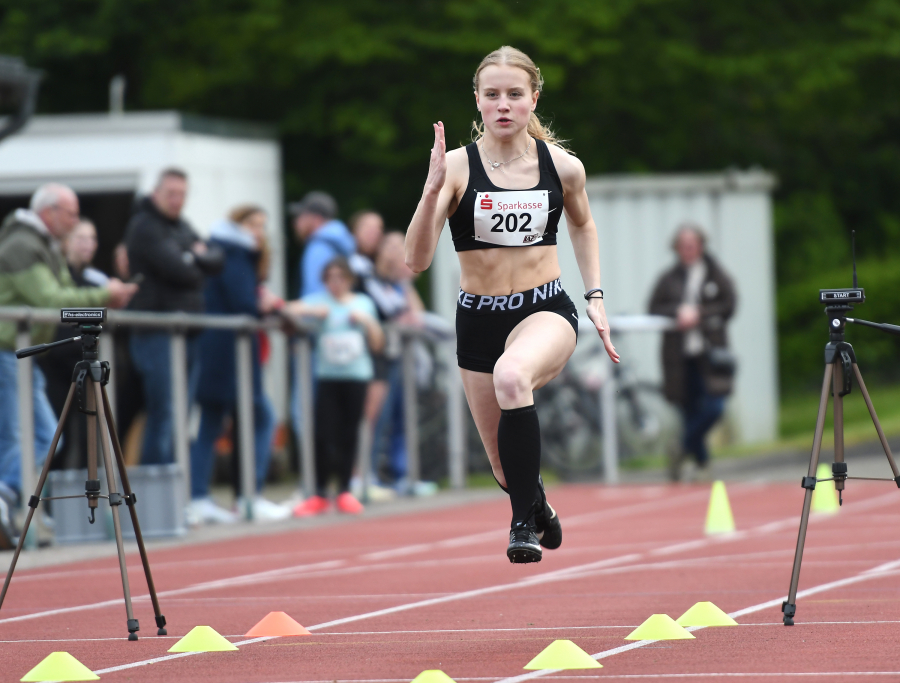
(277, 624)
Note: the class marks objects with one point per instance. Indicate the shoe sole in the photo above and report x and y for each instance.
(523, 554)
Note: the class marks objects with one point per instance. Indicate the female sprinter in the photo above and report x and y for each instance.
(516, 327)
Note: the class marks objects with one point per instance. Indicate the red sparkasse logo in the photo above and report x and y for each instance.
(486, 203)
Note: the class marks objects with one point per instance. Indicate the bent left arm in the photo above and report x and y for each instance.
(583, 233)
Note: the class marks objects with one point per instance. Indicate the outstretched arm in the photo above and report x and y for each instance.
(428, 220)
(583, 233)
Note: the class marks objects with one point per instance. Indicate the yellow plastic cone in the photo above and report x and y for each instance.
(433, 676)
(60, 666)
(563, 654)
(659, 627)
(705, 614)
(718, 516)
(202, 639)
(825, 497)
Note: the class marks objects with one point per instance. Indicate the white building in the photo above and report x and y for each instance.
(636, 217)
(110, 159)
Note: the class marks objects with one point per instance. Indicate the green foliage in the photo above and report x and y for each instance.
(805, 88)
(803, 317)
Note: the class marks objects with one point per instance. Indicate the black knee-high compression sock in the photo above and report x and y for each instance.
(519, 443)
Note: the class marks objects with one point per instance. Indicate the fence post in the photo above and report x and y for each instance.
(609, 426)
(456, 425)
(244, 364)
(303, 363)
(180, 405)
(410, 412)
(24, 370)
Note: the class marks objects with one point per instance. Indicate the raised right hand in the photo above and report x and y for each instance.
(120, 293)
(437, 169)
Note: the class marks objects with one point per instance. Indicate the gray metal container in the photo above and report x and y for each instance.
(160, 505)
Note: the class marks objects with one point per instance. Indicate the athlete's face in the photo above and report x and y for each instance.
(505, 99)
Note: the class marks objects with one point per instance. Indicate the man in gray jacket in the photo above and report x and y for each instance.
(34, 273)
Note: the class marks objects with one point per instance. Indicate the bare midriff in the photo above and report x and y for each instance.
(508, 270)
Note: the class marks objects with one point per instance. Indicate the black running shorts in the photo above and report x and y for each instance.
(483, 323)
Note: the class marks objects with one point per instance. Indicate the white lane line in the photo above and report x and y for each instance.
(167, 658)
(558, 575)
(743, 674)
(208, 585)
(436, 631)
(286, 572)
(880, 571)
(574, 520)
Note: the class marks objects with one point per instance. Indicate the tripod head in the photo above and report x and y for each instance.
(89, 322)
(839, 302)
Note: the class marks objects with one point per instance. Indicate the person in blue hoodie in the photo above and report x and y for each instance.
(236, 290)
(324, 236)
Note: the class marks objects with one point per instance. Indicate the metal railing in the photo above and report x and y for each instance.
(179, 325)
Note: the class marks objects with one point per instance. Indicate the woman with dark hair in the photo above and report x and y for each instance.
(236, 290)
(516, 327)
(348, 329)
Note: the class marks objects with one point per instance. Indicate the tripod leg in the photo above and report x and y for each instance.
(130, 502)
(789, 607)
(875, 421)
(114, 501)
(33, 503)
(839, 469)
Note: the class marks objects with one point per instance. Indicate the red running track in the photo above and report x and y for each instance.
(387, 598)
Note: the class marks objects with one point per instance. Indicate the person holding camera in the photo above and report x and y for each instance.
(698, 368)
(33, 272)
(173, 262)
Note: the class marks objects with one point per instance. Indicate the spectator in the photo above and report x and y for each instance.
(33, 273)
(166, 252)
(78, 248)
(698, 369)
(129, 388)
(391, 288)
(316, 224)
(236, 290)
(368, 229)
(343, 369)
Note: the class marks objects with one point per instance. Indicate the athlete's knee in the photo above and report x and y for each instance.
(511, 384)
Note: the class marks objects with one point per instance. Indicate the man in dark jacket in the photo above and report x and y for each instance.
(698, 370)
(172, 262)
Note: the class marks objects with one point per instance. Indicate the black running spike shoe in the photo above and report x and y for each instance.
(546, 522)
(523, 543)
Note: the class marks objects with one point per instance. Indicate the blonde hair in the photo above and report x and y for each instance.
(510, 56)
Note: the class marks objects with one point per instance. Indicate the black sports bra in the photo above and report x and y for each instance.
(489, 217)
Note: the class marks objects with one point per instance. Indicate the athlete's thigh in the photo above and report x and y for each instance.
(539, 347)
(479, 388)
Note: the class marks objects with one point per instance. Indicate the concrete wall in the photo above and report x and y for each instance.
(636, 217)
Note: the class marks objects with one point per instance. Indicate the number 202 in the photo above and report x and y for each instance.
(512, 222)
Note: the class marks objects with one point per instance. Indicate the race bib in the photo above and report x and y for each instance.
(511, 219)
(342, 348)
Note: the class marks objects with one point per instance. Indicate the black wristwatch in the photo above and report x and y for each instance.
(588, 295)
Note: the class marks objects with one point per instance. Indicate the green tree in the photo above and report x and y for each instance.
(805, 88)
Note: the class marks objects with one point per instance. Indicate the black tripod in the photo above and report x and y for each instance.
(88, 389)
(840, 366)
